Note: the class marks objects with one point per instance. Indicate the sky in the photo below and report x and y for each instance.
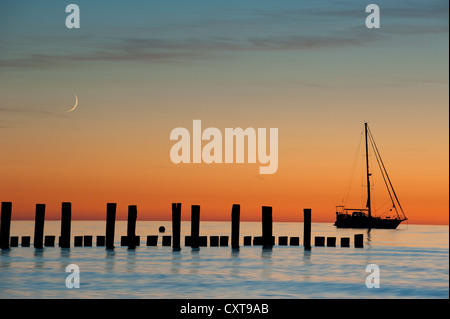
(140, 69)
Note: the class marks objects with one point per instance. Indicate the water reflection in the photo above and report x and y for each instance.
(195, 254)
(176, 262)
(266, 258)
(131, 260)
(307, 256)
(235, 262)
(38, 258)
(6, 261)
(368, 241)
(110, 259)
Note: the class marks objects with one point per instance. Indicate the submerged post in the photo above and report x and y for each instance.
(307, 228)
(359, 240)
(5, 226)
(235, 216)
(176, 226)
(131, 227)
(195, 226)
(267, 240)
(110, 224)
(39, 226)
(66, 215)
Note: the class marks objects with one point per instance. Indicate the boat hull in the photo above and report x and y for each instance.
(366, 222)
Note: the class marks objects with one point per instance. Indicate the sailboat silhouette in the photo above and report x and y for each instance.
(363, 217)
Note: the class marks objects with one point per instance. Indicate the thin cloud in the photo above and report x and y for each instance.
(28, 111)
(409, 19)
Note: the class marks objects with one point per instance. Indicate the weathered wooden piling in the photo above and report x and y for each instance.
(213, 241)
(267, 227)
(49, 241)
(307, 228)
(282, 241)
(136, 241)
(195, 226)
(5, 224)
(87, 241)
(39, 226)
(66, 216)
(14, 241)
(294, 241)
(152, 240)
(176, 226)
(110, 224)
(203, 241)
(223, 241)
(235, 219)
(331, 241)
(131, 226)
(345, 241)
(247, 240)
(167, 240)
(78, 241)
(26, 241)
(187, 241)
(100, 241)
(257, 241)
(359, 241)
(319, 241)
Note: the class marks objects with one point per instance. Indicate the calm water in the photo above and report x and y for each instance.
(413, 263)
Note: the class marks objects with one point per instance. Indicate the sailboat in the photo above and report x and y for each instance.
(363, 217)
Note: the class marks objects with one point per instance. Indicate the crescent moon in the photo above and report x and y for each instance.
(76, 104)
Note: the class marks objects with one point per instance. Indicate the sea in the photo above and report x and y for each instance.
(409, 262)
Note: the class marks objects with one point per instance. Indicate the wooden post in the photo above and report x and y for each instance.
(39, 226)
(319, 241)
(294, 241)
(345, 241)
(282, 241)
(131, 226)
(176, 226)
(203, 241)
(78, 241)
(14, 242)
(359, 240)
(5, 225)
(26, 241)
(87, 241)
(152, 240)
(247, 240)
(49, 241)
(257, 241)
(195, 226)
(235, 217)
(213, 241)
(166, 240)
(331, 241)
(110, 224)
(100, 241)
(307, 228)
(267, 227)
(223, 241)
(66, 214)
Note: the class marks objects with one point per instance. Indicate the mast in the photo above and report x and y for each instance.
(367, 171)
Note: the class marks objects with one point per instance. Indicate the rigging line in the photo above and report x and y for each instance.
(393, 190)
(390, 183)
(372, 142)
(352, 172)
